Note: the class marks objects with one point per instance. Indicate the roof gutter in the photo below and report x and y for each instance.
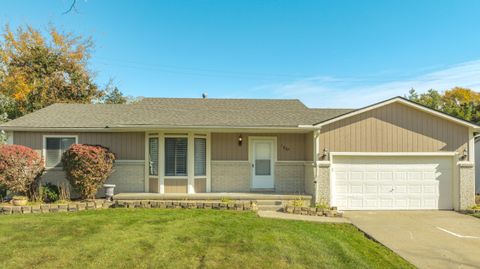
(120, 128)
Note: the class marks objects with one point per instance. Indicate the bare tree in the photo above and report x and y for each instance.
(72, 7)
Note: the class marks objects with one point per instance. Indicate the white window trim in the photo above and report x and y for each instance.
(190, 159)
(203, 136)
(147, 158)
(9, 138)
(44, 147)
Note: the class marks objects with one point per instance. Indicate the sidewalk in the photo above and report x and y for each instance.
(280, 215)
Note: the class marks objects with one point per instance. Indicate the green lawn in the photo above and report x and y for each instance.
(156, 238)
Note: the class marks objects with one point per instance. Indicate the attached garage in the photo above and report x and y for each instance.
(400, 182)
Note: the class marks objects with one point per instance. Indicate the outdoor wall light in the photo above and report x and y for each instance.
(465, 154)
(240, 140)
(325, 154)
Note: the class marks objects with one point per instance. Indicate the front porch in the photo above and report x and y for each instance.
(198, 162)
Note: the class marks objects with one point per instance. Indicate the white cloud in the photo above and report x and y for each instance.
(323, 91)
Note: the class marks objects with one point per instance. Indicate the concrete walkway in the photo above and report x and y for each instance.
(427, 239)
(280, 215)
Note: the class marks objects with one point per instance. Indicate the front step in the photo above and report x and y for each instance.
(276, 204)
(269, 202)
(270, 205)
(270, 208)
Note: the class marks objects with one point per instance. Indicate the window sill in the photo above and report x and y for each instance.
(176, 177)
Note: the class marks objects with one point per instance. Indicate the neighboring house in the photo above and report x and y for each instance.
(477, 165)
(391, 155)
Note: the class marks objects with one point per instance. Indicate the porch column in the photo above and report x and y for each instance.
(161, 162)
(191, 163)
(316, 144)
(209, 154)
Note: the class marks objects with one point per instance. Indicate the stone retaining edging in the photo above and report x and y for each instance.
(101, 204)
(312, 211)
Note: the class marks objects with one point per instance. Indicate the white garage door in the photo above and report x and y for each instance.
(386, 182)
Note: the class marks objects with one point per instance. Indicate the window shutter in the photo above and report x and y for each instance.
(200, 156)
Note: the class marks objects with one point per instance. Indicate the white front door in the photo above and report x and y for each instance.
(262, 157)
(390, 183)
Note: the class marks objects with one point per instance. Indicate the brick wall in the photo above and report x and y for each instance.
(289, 177)
(230, 176)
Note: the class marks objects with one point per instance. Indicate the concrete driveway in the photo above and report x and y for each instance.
(427, 239)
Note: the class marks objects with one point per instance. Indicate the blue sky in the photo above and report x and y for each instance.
(326, 53)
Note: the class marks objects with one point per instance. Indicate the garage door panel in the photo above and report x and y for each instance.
(385, 175)
(356, 188)
(401, 202)
(400, 188)
(340, 175)
(355, 202)
(356, 175)
(371, 203)
(415, 203)
(385, 202)
(341, 189)
(371, 189)
(401, 182)
(385, 188)
(400, 175)
(414, 188)
(415, 175)
(430, 189)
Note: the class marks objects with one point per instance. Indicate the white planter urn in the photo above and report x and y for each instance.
(109, 191)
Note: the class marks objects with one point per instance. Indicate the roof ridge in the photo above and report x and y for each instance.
(228, 99)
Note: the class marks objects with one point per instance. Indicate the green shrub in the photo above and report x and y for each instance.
(87, 167)
(297, 202)
(226, 200)
(20, 168)
(50, 192)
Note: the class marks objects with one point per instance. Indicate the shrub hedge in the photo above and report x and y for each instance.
(20, 169)
(87, 167)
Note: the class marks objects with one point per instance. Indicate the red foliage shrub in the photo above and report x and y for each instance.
(87, 167)
(20, 167)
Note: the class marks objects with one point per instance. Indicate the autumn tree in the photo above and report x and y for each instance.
(459, 102)
(112, 95)
(36, 71)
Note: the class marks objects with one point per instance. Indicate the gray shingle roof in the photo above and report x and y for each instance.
(178, 112)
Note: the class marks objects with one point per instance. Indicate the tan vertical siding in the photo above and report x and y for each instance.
(394, 128)
(29, 139)
(290, 147)
(225, 146)
(176, 185)
(153, 185)
(127, 146)
(200, 185)
(308, 146)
